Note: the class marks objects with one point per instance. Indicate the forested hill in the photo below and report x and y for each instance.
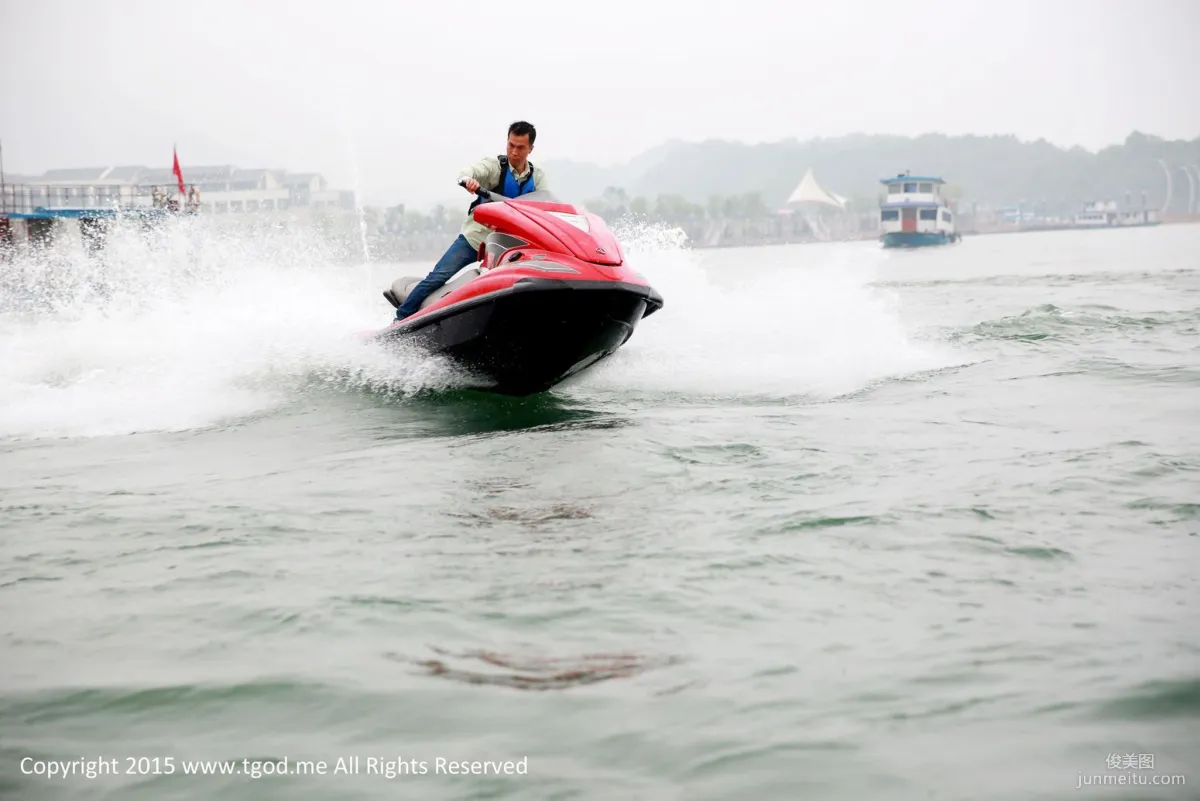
(988, 170)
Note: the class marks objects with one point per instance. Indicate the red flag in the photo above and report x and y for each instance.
(178, 173)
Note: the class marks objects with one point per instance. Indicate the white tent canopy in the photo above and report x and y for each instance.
(809, 191)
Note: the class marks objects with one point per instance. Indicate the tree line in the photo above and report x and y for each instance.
(613, 204)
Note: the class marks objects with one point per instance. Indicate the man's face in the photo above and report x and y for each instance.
(518, 149)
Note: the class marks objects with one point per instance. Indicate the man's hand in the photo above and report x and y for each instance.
(471, 185)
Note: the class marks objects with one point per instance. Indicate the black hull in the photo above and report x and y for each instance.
(528, 338)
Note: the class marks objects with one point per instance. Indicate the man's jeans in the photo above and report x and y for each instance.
(458, 255)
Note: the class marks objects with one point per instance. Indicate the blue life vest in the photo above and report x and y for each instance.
(508, 185)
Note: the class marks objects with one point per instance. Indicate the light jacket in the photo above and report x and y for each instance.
(487, 172)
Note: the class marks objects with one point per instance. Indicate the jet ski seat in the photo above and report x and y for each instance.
(402, 286)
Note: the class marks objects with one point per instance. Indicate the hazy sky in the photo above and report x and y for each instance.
(404, 93)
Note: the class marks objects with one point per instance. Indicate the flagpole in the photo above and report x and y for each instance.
(3, 192)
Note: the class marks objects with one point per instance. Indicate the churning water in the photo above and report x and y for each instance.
(836, 522)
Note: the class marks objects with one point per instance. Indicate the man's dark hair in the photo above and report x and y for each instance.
(521, 128)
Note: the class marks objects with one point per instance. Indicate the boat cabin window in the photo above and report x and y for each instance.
(928, 214)
(927, 188)
(893, 189)
(889, 214)
(910, 187)
(945, 216)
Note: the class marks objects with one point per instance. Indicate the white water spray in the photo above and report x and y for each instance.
(761, 322)
(210, 320)
(359, 211)
(198, 324)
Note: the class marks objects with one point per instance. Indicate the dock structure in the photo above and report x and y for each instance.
(34, 209)
(33, 212)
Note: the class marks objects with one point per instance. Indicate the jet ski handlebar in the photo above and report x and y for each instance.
(487, 196)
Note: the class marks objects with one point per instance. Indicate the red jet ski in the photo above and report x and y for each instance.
(550, 295)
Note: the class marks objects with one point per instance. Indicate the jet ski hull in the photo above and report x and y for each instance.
(551, 295)
(530, 336)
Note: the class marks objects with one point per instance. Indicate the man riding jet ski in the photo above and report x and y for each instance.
(551, 294)
(510, 175)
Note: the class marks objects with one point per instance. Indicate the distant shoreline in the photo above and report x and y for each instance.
(433, 250)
